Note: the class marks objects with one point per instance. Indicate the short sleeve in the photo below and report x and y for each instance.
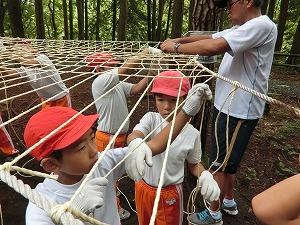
(127, 88)
(146, 124)
(194, 156)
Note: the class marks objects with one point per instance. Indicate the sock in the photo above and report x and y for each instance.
(229, 202)
(215, 214)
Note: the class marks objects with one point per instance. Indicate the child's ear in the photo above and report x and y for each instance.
(50, 165)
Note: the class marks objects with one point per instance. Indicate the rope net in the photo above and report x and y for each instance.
(69, 59)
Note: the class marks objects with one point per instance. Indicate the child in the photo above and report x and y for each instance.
(71, 153)
(40, 71)
(185, 147)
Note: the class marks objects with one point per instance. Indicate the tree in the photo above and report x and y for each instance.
(51, 6)
(86, 20)
(65, 13)
(149, 20)
(123, 20)
(153, 20)
(71, 19)
(191, 14)
(114, 19)
(264, 7)
(15, 17)
(168, 19)
(281, 23)
(295, 49)
(177, 19)
(80, 14)
(98, 20)
(39, 19)
(2, 13)
(161, 5)
(271, 9)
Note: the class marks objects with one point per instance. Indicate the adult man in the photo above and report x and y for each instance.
(248, 48)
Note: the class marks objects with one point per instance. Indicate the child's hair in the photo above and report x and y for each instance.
(47, 120)
(168, 83)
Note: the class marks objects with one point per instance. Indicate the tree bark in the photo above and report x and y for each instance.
(161, 5)
(39, 19)
(149, 20)
(168, 19)
(65, 14)
(86, 20)
(52, 16)
(98, 20)
(271, 9)
(2, 13)
(177, 19)
(281, 23)
(264, 7)
(114, 19)
(80, 13)
(154, 20)
(71, 19)
(15, 17)
(295, 49)
(191, 14)
(123, 20)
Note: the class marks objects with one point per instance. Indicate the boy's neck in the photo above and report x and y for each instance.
(68, 179)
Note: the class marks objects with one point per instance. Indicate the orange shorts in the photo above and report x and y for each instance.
(6, 145)
(170, 206)
(102, 139)
(64, 101)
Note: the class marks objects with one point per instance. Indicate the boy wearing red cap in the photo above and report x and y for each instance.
(71, 153)
(186, 146)
(40, 71)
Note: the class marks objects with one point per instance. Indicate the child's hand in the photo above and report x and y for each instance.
(134, 164)
(209, 187)
(196, 96)
(91, 196)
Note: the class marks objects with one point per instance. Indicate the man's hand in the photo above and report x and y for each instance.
(196, 96)
(168, 45)
(134, 164)
(209, 187)
(91, 196)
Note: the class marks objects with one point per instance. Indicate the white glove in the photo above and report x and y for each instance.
(134, 164)
(91, 196)
(154, 51)
(209, 187)
(195, 101)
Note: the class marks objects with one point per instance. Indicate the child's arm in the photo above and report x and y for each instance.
(139, 87)
(196, 169)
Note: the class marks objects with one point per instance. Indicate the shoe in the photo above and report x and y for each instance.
(203, 218)
(232, 210)
(124, 214)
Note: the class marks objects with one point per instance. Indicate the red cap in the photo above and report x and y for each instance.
(96, 58)
(48, 119)
(170, 86)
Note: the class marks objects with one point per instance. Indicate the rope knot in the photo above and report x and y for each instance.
(57, 212)
(6, 166)
(236, 85)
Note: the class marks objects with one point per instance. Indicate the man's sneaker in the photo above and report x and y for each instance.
(232, 210)
(204, 218)
(124, 214)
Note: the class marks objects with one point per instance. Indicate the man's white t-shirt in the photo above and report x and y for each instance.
(48, 74)
(249, 62)
(61, 193)
(185, 147)
(112, 108)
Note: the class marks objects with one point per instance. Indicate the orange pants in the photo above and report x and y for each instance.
(64, 101)
(6, 145)
(102, 139)
(170, 206)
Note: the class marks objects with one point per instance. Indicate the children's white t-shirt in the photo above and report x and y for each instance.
(61, 193)
(249, 62)
(112, 108)
(185, 147)
(48, 74)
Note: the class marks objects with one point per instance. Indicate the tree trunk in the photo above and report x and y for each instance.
(295, 49)
(264, 7)
(281, 23)
(52, 17)
(15, 17)
(161, 5)
(149, 20)
(98, 20)
(39, 18)
(191, 14)
(65, 12)
(177, 19)
(114, 19)
(271, 9)
(168, 19)
(80, 13)
(71, 19)
(86, 20)
(206, 15)
(154, 20)
(2, 13)
(123, 20)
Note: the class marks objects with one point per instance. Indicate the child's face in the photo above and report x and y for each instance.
(79, 158)
(166, 104)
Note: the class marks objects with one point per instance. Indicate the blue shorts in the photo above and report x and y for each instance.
(242, 139)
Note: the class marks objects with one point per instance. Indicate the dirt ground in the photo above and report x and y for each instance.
(271, 156)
